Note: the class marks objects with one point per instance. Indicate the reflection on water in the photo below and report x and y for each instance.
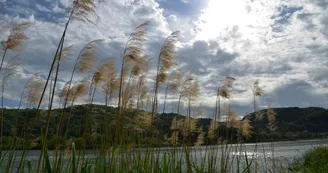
(252, 154)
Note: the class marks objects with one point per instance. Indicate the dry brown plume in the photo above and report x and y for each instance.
(232, 121)
(175, 80)
(257, 90)
(134, 48)
(190, 88)
(66, 53)
(201, 137)
(64, 92)
(224, 88)
(87, 56)
(212, 130)
(34, 90)
(271, 119)
(175, 126)
(83, 9)
(166, 56)
(245, 129)
(15, 39)
(81, 88)
(10, 69)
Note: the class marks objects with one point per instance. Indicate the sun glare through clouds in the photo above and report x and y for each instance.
(221, 15)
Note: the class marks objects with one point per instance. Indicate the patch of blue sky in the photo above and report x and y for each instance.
(284, 17)
(183, 7)
(45, 10)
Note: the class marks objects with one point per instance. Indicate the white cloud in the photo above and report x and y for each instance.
(227, 38)
(42, 8)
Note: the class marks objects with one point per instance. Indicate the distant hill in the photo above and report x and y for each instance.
(292, 123)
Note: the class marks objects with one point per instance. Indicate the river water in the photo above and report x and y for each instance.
(264, 154)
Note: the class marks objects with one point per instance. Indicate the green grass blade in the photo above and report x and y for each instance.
(29, 166)
(73, 158)
(48, 165)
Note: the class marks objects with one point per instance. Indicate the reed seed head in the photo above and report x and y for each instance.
(16, 37)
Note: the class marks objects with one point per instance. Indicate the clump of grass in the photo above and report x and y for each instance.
(314, 160)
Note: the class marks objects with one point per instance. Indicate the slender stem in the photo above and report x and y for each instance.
(125, 92)
(254, 102)
(166, 90)
(24, 136)
(180, 96)
(138, 93)
(50, 106)
(118, 124)
(2, 114)
(3, 57)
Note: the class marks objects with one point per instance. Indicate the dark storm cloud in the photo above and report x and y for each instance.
(321, 3)
(203, 55)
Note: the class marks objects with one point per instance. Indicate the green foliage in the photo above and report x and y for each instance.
(291, 123)
(78, 143)
(313, 161)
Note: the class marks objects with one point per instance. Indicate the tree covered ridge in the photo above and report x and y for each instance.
(290, 123)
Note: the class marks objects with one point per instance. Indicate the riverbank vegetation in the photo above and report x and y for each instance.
(114, 134)
(290, 124)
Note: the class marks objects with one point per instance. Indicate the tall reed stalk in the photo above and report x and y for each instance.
(80, 10)
(9, 71)
(132, 52)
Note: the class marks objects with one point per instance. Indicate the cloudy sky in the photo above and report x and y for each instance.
(282, 43)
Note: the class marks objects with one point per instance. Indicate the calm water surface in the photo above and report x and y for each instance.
(281, 153)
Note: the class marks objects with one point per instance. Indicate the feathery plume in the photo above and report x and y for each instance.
(87, 56)
(257, 90)
(15, 39)
(188, 126)
(271, 119)
(166, 56)
(81, 88)
(200, 137)
(134, 46)
(175, 81)
(64, 92)
(83, 9)
(175, 126)
(190, 87)
(232, 121)
(10, 69)
(245, 128)
(66, 53)
(224, 88)
(212, 130)
(34, 90)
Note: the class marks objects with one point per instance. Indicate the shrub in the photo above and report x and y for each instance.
(313, 161)
(79, 142)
